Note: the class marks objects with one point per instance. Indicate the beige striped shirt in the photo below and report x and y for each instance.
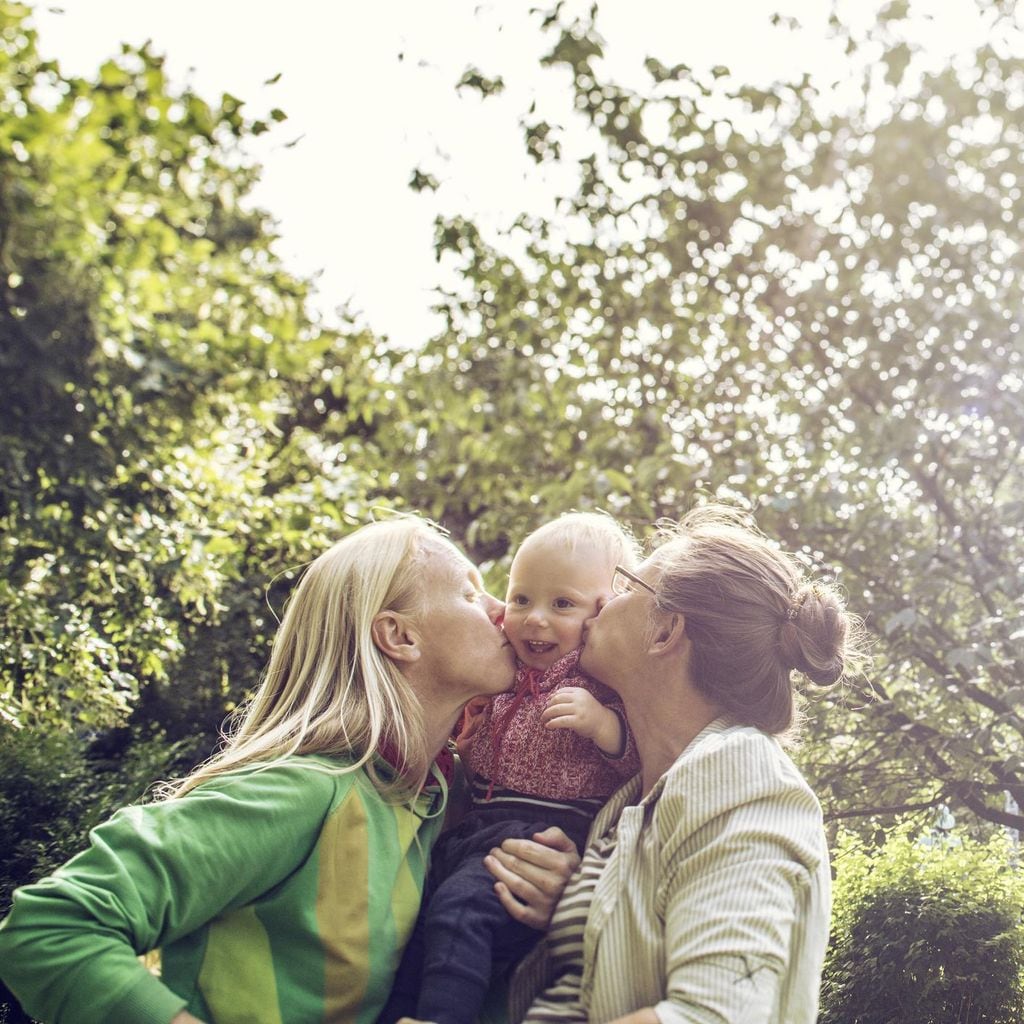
(709, 902)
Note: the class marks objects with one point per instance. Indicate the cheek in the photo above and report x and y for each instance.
(512, 623)
(570, 626)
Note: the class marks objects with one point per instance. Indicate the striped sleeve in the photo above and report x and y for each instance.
(561, 1001)
(728, 930)
(735, 887)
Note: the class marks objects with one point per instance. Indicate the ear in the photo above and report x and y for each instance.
(669, 634)
(395, 638)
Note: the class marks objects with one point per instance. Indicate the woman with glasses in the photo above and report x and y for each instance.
(703, 893)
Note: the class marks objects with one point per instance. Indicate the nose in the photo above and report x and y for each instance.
(536, 615)
(495, 609)
(602, 600)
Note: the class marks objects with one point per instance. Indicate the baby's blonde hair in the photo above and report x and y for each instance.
(328, 689)
(575, 530)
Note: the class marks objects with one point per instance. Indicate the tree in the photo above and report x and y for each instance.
(768, 299)
(163, 388)
(815, 311)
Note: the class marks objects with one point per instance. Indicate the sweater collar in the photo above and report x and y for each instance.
(535, 681)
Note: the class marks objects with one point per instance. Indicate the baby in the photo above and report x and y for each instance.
(549, 752)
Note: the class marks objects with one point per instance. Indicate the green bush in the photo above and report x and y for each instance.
(54, 787)
(926, 934)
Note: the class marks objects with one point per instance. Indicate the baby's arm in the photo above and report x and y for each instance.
(572, 707)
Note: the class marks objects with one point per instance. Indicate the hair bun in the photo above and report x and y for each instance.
(812, 637)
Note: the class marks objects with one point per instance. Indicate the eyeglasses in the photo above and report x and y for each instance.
(625, 582)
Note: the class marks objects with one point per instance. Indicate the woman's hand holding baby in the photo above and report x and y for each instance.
(531, 874)
(572, 707)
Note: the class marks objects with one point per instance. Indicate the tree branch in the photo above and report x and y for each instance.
(867, 812)
(993, 814)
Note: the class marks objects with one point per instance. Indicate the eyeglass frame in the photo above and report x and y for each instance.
(632, 582)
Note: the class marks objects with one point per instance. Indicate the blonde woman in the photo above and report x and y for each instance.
(703, 893)
(282, 878)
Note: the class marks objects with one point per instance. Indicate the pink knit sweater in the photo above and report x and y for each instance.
(513, 748)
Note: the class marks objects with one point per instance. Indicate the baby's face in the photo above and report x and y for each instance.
(551, 593)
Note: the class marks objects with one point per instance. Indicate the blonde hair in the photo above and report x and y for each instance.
(574, 530)
(327, 688)
(752, 616)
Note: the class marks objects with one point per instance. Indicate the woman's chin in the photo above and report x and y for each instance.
(590, 664)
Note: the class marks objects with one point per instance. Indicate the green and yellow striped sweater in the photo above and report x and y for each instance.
(277, 896)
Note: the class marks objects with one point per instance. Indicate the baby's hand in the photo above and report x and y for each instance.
(472, 720)
(572, 707)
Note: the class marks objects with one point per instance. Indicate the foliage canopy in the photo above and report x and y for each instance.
(753, 294)
(813, 308)
(162, 387)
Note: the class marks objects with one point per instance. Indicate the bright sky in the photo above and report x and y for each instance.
(369, 91)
